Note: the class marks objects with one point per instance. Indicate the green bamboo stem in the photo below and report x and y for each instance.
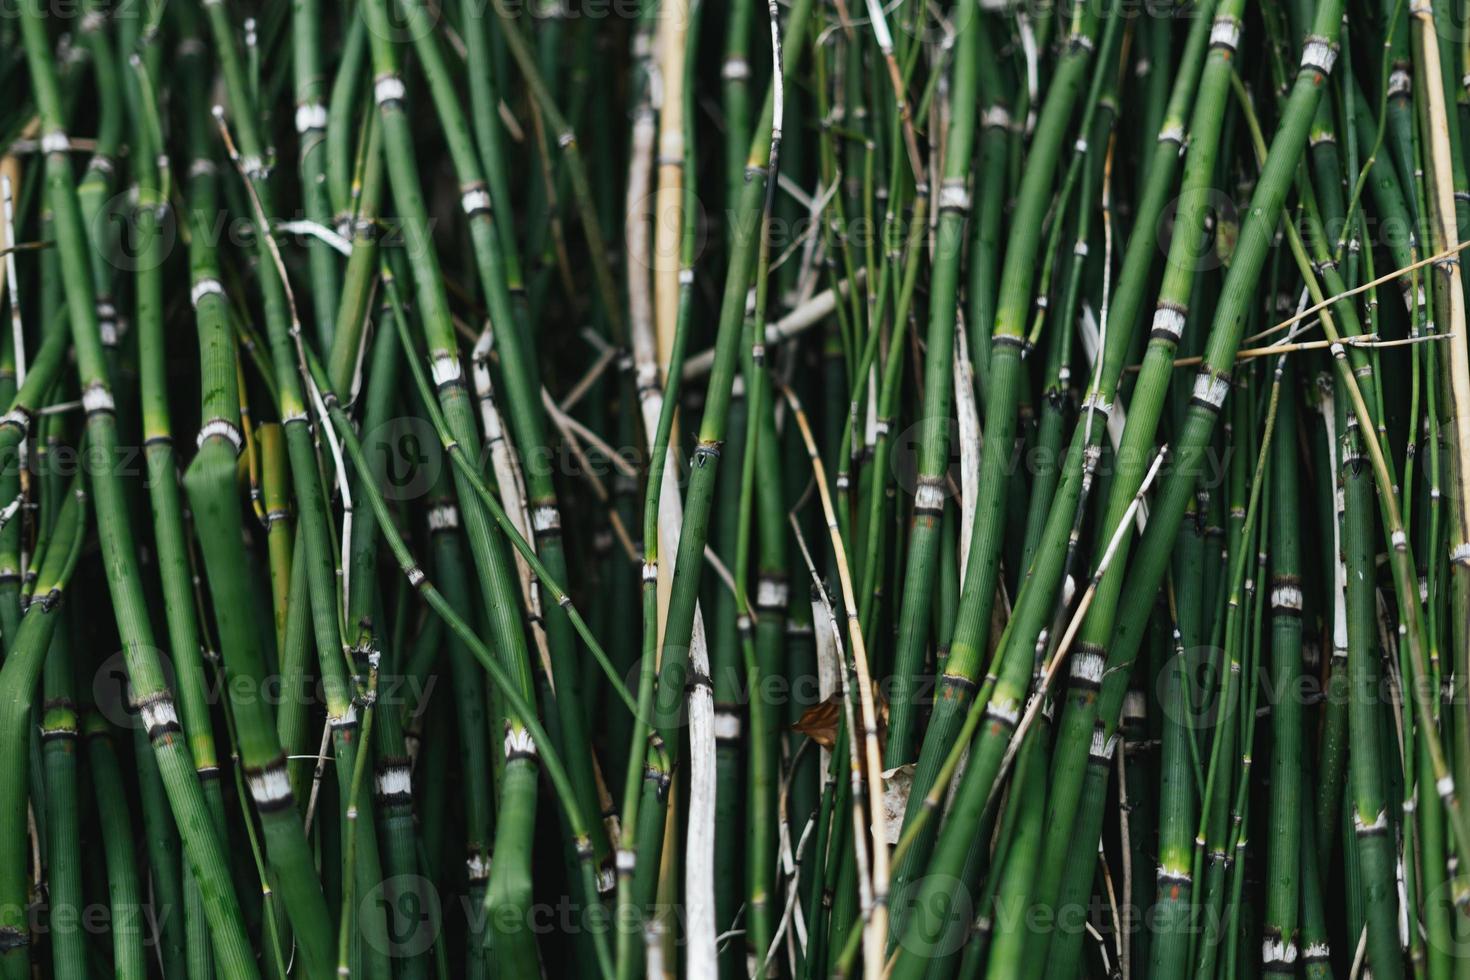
(202, 850)
(1083, 707)
(953, 206)
(18, 680)
(1279, 944)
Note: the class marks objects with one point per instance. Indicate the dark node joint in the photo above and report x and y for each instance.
(959, 683)
(164, 730)
(276, 805)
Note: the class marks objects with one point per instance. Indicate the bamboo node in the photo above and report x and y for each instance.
(1210, 389)
(310, 116)
(995, 116)
(388, 89)
(96, 398)
(475, 200)
(1103, 745)
(394, 784)
(1319, 53)
(1374, 828)
(270, 786)
(208, 286)
(728, 725)
(771, 593)
(219, 427)
(445, 369)
(954, 195)
(1007, 711)
(1319, 952)
(546, 519)
(1287, 596)
(1225, 32)
(443, 517)
(55, 142)
(1095, 403)
(929, 495)
(255, 168)
(1276, 950)
(159, 716)
(17, 417)
(518, 743)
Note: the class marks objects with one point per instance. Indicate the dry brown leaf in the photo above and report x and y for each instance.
(821, 721)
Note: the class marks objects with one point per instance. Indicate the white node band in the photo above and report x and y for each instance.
(954, 196)
(220, 427)
(203, 288)
(771, 594)
(312, 115)
(1278, 951)
(929, 496)
(1088, 666)
(1168, 321)
(475, 199)
(1286, 597)
(395, 781)
(1211, 389)
(445, 369)
(443, 517)
(1225, 33)
(728, 725)
(1320, 54)
(157, 713)
(97, 399)
(1102, 745)
(388, 88)
(518, 741)
(270, 785)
